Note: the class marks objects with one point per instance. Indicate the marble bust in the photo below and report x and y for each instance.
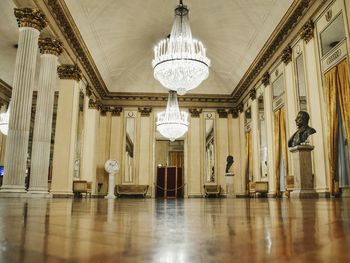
(304, 130)
(229, 162)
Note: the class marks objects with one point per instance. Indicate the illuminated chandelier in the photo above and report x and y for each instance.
(4, 121)
(172, 123)
(180, 62)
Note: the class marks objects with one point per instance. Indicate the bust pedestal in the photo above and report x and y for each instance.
(111, 184)
(229, 183)
(303, 181)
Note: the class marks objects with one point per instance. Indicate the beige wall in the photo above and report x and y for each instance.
(193, 166)
(65, 137)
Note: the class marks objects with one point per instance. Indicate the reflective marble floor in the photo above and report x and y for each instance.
(189, 230)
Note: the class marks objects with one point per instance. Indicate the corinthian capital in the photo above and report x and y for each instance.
(50, 46)
(30, 17)
(68, 71)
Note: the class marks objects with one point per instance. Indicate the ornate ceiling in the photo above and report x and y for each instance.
(120, 36)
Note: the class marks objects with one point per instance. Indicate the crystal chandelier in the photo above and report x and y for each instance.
(180, 62)
(4, 121)
(172, 123)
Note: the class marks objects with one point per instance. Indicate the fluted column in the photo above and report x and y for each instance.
(66, 130)
(40, 158)
(30, 22)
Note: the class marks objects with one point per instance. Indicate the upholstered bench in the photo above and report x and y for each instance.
(129, 189)
(82, 187)
(210, 190)
(261, 188)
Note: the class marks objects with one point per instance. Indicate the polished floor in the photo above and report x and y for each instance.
(188, 230)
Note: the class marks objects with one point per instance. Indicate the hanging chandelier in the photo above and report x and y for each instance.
(4, 121)
(172, 123)
(180, 62)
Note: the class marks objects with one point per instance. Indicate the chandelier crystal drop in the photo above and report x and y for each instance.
(172, 123)
(180, 62)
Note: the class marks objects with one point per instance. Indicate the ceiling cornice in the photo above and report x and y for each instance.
(64, 20)
(289, 21)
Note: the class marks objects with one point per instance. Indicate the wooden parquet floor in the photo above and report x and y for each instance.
(185, 230)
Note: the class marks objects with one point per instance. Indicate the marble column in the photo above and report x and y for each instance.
(30, 22)
(40, 158)
(66, 130)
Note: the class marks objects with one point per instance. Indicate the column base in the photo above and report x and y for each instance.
(13, 191)
(345, 192)
(110, 197)
(195, 196)
(304, 193)
(242, 195)
(38, 194)
(62, 194)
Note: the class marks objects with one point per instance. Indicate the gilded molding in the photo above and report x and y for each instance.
(195, 112)
(104, 109)
(307, 32)
(116, 111)
(94, 104)
(69, 71)
(234, 112)
(271, 48)
(265, 79)
(287, 54)
(77, 44)
(50, 46)
(145, 111)
(240, 107)
(223, 113)
(30, 17)
(252, 94)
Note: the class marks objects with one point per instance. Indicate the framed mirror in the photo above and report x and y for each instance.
(129, 158)
(209, 149)
(332, 35)
(278, 87)
(262, 137)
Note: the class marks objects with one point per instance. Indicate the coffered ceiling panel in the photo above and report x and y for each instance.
(120, 36)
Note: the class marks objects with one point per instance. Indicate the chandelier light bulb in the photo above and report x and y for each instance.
(180, 62)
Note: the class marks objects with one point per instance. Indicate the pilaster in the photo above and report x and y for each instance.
(66, 130)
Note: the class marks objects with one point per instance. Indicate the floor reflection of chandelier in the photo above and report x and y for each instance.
(172, 123)
(180, 62)
(4, 121)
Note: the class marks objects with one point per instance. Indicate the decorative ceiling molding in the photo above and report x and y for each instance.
(287, 55)
(30, 17)
(252, 94)
(272, 45)
(145, 111)
(265, 79)
(68, 71)
(234, 112)
(307, 32)
(49, 45)
(195, 112)
(66, 23)
(223, 113)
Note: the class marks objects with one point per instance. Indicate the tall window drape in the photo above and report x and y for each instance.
(337, 96)
(280, 140)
